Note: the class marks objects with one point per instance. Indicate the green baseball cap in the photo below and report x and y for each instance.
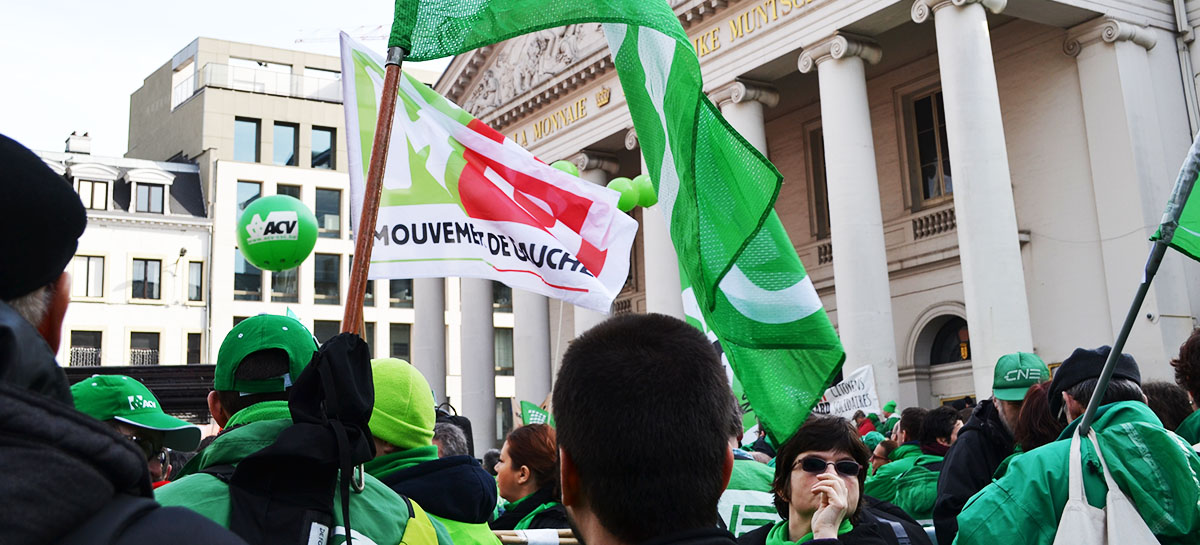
(1015, 373)
(260, 333)
(121, 398)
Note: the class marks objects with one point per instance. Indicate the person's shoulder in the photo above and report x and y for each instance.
(757, 536)
(178, 526)
(188, 490)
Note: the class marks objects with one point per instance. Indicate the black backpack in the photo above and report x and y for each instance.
(443, 415)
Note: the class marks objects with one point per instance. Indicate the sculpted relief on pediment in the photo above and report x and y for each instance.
(525, 62)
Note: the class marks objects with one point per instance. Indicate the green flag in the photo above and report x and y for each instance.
(531, 413)
(1187, 234)
(715, 190)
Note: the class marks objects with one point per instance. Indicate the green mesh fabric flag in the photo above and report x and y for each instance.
(714, 189)
(533, 414)
(1187, 234)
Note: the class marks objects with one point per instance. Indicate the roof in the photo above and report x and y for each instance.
(182, 180)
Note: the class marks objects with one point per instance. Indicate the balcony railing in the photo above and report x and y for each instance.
(84, 356)
(143, 356)
(258, 80)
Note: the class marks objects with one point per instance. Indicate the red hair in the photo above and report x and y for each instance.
(535, 447)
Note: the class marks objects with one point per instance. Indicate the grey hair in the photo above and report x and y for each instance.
(34, 305)
(452, 439)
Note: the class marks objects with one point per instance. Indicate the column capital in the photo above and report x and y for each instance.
(1107, 30)
(838, 46)
(631, 141)
(924, 9)
(592, 160)
(740, 90)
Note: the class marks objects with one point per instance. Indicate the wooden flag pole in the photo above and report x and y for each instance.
(364, 236)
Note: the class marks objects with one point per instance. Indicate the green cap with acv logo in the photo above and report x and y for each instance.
(260, 333)
(121, 398)
(1015, 373)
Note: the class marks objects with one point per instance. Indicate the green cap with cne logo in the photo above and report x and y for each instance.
(1015, 373)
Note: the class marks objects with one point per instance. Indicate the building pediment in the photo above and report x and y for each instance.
(149, 176)
(93, 171)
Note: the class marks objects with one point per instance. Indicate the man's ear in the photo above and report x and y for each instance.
(568, 479)
(727, 468)
(51, 326)
(943, 441)
(218, 412)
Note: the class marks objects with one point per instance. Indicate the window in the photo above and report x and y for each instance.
(504, 350)
(285, 286)
(931, 148)
(195, 281)
(193, 348)
(329, 219)
(399, 337)
(87, 278)
(501, 297)
(245, 140)
(369, 293)
(85, 348)
(143, 349)
(952, 343)
(289, 190)
(286, 153)
(146, 274)
(370, 337)
(239, 319)
(400, 293)
(247, 192)
(247, 279)
(93, 194)
(150, 198)
(820, 195)
(504, 419)
(326, 329)
(327, 279)
(322, 147)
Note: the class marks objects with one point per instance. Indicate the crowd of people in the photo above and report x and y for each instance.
(320, 444)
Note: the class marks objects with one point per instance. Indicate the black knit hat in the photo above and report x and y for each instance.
(41, 219)
(1085, 364)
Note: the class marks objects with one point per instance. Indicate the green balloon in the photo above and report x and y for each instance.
(629, 195)
(645, 189)
(566, 166)
(277, 233)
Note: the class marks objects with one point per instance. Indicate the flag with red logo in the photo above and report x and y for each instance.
(461, 199)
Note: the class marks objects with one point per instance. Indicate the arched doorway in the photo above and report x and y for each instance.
(940, 348)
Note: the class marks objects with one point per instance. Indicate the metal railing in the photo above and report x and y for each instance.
(143, 356)
(84, 356)
(258, 80)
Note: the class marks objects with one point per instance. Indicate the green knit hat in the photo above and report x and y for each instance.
(403, 414)
(889, 407)
(872, 440)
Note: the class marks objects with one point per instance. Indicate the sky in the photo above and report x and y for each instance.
(71, 65)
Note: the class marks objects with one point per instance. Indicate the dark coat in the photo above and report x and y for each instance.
(873, 528)
(708, 536)
(67, 477)
(454, 487)
(982, 444)
(555, 517)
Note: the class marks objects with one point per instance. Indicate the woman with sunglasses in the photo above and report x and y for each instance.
(819, 476)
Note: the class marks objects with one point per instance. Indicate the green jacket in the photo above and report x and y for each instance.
(1189, 429)
(882, 484)
(747, 502)
(377, 513)
(916, 487)
(886, 427)
(1159, 472)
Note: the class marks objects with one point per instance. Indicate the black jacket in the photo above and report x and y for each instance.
(982, 444)
(454, 487)
(65, 476)
(555, 517)
(708, 536)
(874, 527)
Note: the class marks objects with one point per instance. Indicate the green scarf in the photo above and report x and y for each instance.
(387, 464)
(779, 533)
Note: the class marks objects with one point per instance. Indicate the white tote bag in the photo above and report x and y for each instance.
(1083, 524)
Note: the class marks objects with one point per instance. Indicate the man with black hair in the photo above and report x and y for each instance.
(1187, 375)
(1154, 467)
(662, 379)
(911, 482)
(65, 477)
(257, 364)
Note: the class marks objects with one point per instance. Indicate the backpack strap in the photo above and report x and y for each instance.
(107, 524)
(224, 472)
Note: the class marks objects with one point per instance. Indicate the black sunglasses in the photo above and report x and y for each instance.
(845, 468)
(147, 446)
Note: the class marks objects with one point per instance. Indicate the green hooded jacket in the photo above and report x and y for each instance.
(916, 487)
(1189, 429)
(886, 427)
(1159, 472)
(377, 513)
(882, 484)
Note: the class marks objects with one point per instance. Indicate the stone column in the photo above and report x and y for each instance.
(478, 362)
(663, 292)
(864, 299)
(531, 346)
(598, 168)
(1130, 177)
(989, 251)
(429, 333)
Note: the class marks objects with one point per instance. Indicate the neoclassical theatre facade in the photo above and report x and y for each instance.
(962, 178)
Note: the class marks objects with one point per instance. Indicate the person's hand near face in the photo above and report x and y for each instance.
(833, 501)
